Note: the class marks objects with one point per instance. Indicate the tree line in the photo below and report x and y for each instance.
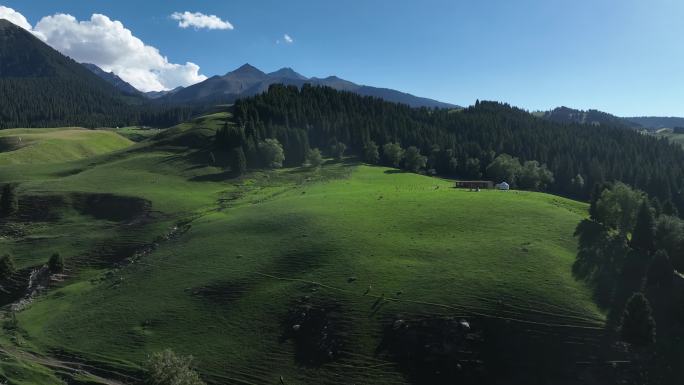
(566, 159)
(55, 102)
(629, 252)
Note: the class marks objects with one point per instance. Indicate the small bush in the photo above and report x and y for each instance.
(7, 267)
(272, 153)
(637, 325)
(314, 158)
(167, 368)
(56, 263)
(9, 202)
(338, 150)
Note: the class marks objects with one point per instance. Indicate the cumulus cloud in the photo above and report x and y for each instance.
(199, 20)
(288, 39)
(109, 45)
(15, 17)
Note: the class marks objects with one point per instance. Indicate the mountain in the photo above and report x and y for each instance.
(654, 123)
(159, 94)
(249, 81)
(594, 117)
(112, 79)
(287, 73)
(40, 87)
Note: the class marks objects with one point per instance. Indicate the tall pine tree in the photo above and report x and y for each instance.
(637, 325)
(643, 235)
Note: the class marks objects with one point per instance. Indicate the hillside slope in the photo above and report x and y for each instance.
(40, 87)
(235, 264)
(48, 145)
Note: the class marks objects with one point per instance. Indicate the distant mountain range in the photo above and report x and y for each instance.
(248, 81)
(112, 79)
(592, 117)
(595, 117)
(656, 123)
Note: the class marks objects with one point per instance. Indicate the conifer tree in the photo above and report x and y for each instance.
(643, 235)
(637, 325)
(238, 161)
(660, 271)
(7, 267)
(9, 202)
(56, 263)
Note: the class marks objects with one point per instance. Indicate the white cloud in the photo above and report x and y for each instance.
(18, 19)
(15, 17)
(288, 39)
(111, 46)
(199, 20)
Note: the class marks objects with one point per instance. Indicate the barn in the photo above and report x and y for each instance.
(474, 184)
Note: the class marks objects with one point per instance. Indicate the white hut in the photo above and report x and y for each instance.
(503, 186)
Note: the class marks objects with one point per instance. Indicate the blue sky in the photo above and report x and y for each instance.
(621, 56)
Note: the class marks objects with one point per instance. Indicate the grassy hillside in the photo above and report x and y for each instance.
(50, 145)
(225, 269)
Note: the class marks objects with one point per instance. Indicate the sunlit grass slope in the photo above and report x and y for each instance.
(52, 145)
(369, 241)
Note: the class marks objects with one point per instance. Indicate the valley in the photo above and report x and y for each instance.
(253, 249)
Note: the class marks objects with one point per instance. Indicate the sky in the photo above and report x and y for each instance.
(625, 57)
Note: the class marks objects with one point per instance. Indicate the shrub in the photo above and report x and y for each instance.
(272, 153)
(56, 263)
(413, 160)
(338, 150)
(314, 158)
(167, 368)
(370, 153)
(7, 267)
(637, 325)
(393, 153)
(9, 202)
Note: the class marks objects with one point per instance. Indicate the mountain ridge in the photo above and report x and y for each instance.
(248, 80)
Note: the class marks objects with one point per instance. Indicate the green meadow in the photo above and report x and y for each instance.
(232, 258)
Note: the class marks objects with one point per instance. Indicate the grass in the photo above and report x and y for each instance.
(49, 145)
(254, 246)
(137, 134)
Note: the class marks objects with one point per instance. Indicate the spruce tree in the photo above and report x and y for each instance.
(7, 267)
(56, 263)
(660, 271)
(238, 161)
(314, 158)
(593, 199)
(9, 202)
(643, 235)
(370, 152)
(637, 325)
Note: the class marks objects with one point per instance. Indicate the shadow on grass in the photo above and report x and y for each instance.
(216, 177)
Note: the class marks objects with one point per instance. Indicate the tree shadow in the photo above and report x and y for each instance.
(395, 171)
(216, 177)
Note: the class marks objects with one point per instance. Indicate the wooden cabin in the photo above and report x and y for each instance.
(474, 184)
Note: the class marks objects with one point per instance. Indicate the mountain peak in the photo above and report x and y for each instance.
(287, 73)
(247, 69)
